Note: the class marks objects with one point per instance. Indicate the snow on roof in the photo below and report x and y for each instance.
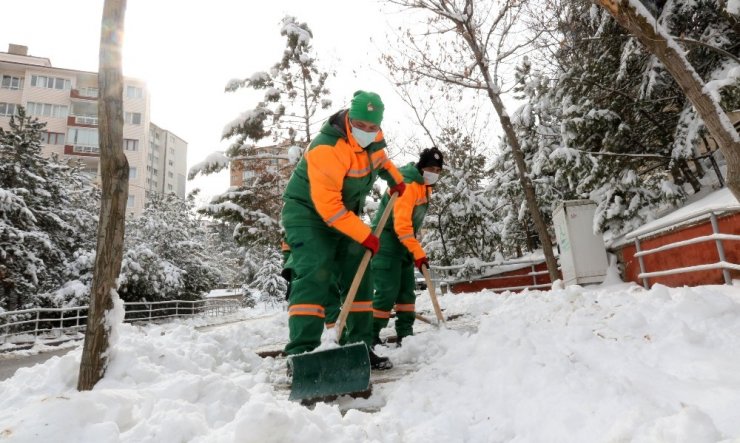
(717, 200)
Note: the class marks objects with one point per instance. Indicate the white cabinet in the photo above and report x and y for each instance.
(582, 254)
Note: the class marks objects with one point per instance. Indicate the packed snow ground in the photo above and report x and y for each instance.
(610, 364)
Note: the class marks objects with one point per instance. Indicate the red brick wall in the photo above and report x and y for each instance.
(518, 277)
(689, 255)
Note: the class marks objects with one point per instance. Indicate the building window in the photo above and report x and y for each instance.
(131, 201)
(132, 118)
(83, 137)
(170, 175)
(171, 163)
(47, 110)
(8, 109)
(172, 151)
(130, 144)
(132, 172)
(169, 187)
(42, 81)
(52, 138)
(11, 82)
(134, 92)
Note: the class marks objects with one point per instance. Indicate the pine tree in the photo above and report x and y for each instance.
(268, 281)
(165, 256)
(459, 224)
(294, 90)
(42, 221)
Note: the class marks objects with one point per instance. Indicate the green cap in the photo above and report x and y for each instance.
(367, 106)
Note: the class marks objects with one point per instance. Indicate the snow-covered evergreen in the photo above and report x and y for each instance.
(48, 213)
(165, 254)
(268, 281)
(267, 138)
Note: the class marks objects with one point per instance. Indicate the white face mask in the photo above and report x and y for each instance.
(363, 138)
(430, 178)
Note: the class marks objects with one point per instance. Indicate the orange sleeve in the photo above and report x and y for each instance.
(389, 172)
(326, 171)
(403, 224)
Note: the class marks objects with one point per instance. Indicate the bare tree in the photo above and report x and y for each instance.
(472, 42)
(638, 21)
(114, 171)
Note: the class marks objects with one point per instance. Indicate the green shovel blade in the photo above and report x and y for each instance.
(338, 371)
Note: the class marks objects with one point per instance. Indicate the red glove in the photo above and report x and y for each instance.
(422, 261)
(399, 188)
(372, 243)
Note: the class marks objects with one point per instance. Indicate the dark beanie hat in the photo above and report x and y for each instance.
(430, 157)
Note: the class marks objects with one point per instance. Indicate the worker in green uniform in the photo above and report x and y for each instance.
(326, 236)
(400, 251)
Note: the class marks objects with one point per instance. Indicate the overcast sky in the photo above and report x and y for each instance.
(186, 51)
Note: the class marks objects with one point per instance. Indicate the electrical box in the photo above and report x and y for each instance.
(582, 254)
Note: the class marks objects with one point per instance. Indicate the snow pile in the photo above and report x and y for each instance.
(615, 363)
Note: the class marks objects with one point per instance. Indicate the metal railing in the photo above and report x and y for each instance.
(56, 322)
(532, 263)
(716, 236)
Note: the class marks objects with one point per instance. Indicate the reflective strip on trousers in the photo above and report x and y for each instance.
(381, 314)
(362, 306)
(311, 310)
(405, 308)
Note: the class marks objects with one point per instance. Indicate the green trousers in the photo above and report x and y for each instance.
(393, 278)
(323, 264)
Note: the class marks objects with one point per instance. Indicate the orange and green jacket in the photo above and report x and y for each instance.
(407, 216)
(332, 180)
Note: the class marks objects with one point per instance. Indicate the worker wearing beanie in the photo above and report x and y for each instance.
(400, 251)
(327, 239)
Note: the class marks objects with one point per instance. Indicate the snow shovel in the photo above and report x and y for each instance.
(342, 370)
(432, 295)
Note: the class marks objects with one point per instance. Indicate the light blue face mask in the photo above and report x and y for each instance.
(363, 138)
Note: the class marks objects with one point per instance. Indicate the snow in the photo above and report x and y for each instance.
(733, 7)
(609, 363)
(214, 161)
(717, 200)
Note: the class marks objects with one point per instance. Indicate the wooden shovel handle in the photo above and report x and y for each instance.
(432, 295)
(342, 320)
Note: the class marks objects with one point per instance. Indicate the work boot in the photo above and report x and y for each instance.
(379, 363)
(377, 341)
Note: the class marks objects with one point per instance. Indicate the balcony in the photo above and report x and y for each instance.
(82, 150)
(84, 93)
(88, 121)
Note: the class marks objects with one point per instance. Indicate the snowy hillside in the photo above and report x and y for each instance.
(613, 364)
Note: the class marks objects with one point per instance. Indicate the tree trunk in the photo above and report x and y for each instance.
(526, 182)
(668, 52)
(114, 172)
(516, 150)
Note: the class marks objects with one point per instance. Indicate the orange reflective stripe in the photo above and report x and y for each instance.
(358, 172)
(362, 306)
(405, 307)
(336, 216)
(404, 237)
(310, 310)
(329, 325)
(381, 314)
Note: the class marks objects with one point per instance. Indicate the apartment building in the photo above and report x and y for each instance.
(275, 162)
(166, 168)
(66, 100)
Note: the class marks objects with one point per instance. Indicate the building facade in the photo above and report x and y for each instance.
(67, 101)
